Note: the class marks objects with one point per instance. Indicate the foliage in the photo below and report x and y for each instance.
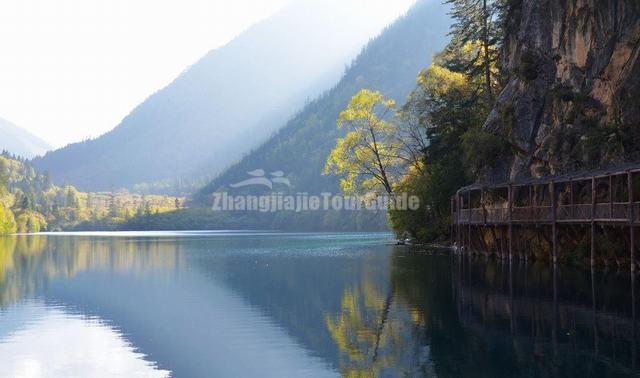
(483, 150)
(7, 221)
(367, 157)
(478, 25)
(30, 222)
(447, 105)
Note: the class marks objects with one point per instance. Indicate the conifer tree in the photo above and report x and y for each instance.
(479, 22)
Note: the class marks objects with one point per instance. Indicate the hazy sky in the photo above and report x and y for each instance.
(72, 69)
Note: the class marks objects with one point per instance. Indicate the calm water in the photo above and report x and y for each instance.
(300, 305)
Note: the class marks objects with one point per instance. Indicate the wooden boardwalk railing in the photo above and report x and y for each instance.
(603, 197)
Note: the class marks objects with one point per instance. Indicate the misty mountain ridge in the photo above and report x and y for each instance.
(223, 105)
(20, 142)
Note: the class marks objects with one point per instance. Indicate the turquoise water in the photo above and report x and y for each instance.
(243, 304)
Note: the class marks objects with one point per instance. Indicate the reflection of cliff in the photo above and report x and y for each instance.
(550, 320)
(28, 263)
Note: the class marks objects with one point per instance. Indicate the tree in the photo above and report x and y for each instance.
(7, 221)
(4, 174)
(479, 23)
(114, 206)
(48, 181)
(445, 106)
(367, 157)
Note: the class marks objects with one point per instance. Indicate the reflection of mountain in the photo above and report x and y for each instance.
(65, 345)
(303, 282)
(28, 264)
(167, 307)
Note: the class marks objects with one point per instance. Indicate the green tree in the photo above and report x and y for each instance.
(72, 197)
(478, 24)
(114, 206)
(446, 105)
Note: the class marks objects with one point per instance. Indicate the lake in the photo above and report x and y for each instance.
(245, 304)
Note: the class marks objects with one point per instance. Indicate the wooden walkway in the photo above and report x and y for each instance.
(604, 198)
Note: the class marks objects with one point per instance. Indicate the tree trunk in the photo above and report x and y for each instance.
(487, 57)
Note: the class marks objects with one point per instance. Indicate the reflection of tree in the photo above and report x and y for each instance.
(378, 334)
(358, 329)
(27, 263)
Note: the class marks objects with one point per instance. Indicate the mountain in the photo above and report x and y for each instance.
(20, 142)
(390, 63)
(226, 103)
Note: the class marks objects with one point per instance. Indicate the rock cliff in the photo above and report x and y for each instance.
(572, 99)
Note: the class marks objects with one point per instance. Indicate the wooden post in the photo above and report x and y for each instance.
(594, 195)
(610, 197)
(554, 220)
(632, 221)
(458, 235)
(634, 322)
(484, 209)
(452, 223)
(469, 199)
(571, 199)
(510, 215)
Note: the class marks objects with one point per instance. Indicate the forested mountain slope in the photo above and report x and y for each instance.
(225, 104)
(390, 63)
(19, 141)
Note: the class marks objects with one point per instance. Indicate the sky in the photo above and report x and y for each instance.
(73, 69)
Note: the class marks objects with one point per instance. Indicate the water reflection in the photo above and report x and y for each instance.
(565, 322)
(40, 341)
(29, 263)
(377, 336)
(257, 304)
(447, 317)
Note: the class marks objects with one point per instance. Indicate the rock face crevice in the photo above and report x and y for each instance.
(572, 100)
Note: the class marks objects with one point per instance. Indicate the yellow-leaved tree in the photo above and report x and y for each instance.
(7, 220)
(368, 158)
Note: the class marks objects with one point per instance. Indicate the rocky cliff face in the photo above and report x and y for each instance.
(573, 96)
